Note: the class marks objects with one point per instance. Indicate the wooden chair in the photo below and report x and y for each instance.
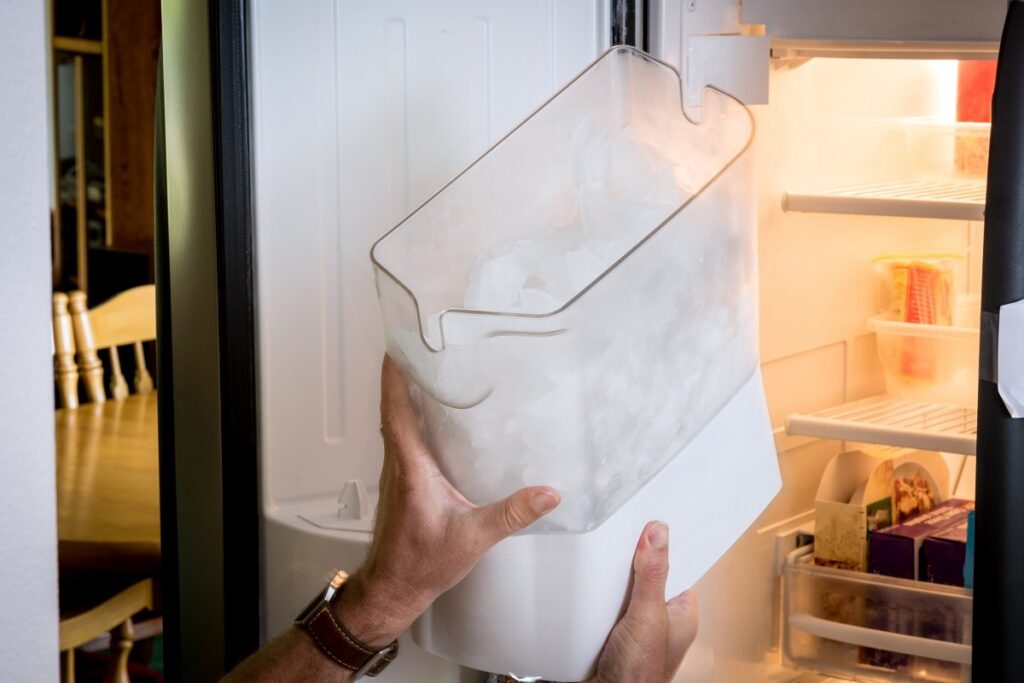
(96, 603)
(127, 319)
(92, 617)
(65, 371)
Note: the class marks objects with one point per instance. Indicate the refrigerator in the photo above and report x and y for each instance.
(358, 112)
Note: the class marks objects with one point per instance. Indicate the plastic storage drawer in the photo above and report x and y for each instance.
(875, 628)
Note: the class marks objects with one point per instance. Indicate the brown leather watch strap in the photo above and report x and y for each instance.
(341, 646)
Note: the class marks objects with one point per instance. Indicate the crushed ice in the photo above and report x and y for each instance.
(624, 188)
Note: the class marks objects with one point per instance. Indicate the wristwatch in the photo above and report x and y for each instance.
(334, 639)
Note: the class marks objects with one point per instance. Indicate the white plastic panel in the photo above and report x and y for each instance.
(362, 110)
(736, 64)
(906, 20)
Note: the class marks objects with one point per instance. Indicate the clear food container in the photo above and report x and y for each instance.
(928, 363)
(919, 288)
(927, 333)
(941, 150)
(875, 628)
(578, 303)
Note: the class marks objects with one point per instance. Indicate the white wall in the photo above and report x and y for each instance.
(28, 545)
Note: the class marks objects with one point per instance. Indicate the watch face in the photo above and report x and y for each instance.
(308, 610)
(325, 595)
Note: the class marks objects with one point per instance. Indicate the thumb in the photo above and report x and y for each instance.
(682, 627)
(650, 570)
(505, 517)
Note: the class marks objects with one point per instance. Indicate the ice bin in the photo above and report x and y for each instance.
(622, 369)
(594, 396)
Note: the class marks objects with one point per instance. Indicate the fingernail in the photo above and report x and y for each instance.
(657, 537)
(543, 501)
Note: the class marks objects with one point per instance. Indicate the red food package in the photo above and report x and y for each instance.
(977, 80)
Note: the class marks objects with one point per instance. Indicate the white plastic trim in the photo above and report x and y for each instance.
(883, 640)
(738, 65)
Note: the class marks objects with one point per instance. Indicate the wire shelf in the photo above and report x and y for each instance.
(895, 422)
(952, 199)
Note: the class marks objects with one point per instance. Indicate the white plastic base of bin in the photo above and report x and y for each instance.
(543, 604)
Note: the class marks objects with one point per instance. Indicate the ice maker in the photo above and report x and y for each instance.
(578, 309)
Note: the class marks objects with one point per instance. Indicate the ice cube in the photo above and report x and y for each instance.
(583, 267)
(496, 284)
(640, 172)
(537, 301)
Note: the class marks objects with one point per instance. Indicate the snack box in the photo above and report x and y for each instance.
(943, 555)
(868, 489)
(895, 551)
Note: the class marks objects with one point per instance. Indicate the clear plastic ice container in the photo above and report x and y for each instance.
(581, 300)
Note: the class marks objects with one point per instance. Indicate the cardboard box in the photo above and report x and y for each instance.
(943, 555)
(857, 495)
(895, 551)
(969, 560)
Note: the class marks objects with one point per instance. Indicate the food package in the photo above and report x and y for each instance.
(895, 550)
(867, 489)
(944, 555)
(919, 290)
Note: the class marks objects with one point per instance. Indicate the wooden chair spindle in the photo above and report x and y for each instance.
(118, 384)
(143, 380)
(90, 367)
(64, 367)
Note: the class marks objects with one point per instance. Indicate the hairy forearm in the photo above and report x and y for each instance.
(370, 610)
(291, 656)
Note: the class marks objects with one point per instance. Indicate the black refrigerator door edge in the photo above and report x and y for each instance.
(207, 358)
(998, 622)
(236, 289)
(165, 399)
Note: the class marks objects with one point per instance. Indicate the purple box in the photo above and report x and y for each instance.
(943, 555)
(895, 550)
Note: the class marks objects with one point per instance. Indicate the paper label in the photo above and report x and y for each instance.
(1011, 357)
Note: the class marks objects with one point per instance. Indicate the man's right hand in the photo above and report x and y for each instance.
(649, 642)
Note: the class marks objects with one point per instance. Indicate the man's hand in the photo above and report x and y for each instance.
(649, 642)
(427, 536)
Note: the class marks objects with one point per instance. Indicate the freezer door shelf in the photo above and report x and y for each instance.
(894, 422)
